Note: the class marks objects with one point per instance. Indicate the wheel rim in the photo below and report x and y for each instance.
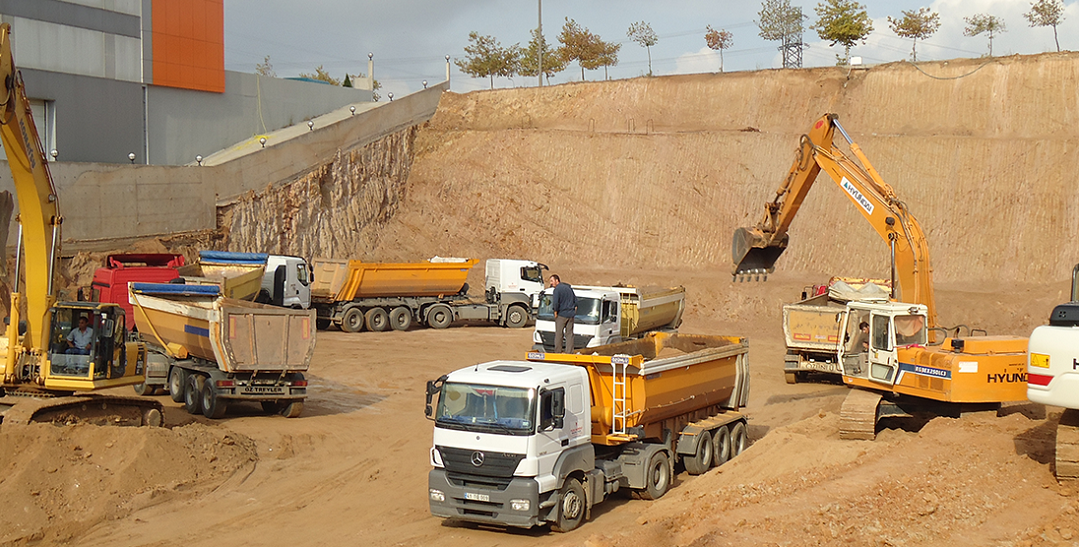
(659, 475)
(722, 450)
(571, 505)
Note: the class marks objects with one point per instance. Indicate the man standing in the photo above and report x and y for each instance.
(564, 304)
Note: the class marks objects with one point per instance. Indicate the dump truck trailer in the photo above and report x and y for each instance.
(357, 295)
(608, 315)
(239, 275)
(523, 443)
(207, 350)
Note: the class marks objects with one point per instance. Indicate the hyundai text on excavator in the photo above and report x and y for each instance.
(900, 370)
(41, 370)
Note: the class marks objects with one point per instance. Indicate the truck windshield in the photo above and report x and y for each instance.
(588, 310)
(493, 409)
(910, 330)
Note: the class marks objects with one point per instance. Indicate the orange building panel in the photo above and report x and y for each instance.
(188, 38)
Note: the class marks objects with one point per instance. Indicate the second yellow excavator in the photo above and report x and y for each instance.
(896, 365)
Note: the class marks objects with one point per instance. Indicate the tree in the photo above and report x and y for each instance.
(485, 56)
(608, 56)
(916, 25)
(528, 64)
(1046, 13)
(781, 22)
(842, 22)
(643, 34)
(989, 24)
(265, 68)
(718, 40)
(321, 75)
(347, 82)
(578, 44)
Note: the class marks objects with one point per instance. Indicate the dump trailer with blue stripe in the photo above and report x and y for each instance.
(208, 350)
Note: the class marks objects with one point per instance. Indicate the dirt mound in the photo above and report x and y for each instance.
(61, 481)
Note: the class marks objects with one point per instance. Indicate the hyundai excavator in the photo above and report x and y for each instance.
(900, 369)
(47, 377)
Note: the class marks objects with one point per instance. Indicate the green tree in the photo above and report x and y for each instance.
(781, 22)
(916, 25)
(718, 40)
(321, 75)
(347, 82)
(981, 23)
(1046, 13)
(608, 56)
(265, 68)
(842, 22)
(553, 63)
(643, 34)
(485, 57)
(578, 44)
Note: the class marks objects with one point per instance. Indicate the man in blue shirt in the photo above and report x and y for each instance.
(80, 338)
(564, 304)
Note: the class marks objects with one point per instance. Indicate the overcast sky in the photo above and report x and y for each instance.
(410, 38)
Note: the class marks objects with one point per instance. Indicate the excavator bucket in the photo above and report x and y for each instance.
(754, 252)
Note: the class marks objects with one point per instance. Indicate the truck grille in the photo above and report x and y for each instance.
(491, 464)
(579, 340)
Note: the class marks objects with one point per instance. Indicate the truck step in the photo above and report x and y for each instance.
(1067, 464)
(858, 416)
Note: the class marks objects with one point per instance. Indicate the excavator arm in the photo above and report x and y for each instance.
(755, 249)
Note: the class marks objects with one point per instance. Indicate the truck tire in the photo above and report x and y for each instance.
(401, 318)
(571, 506)
(193, 393)
(516, 317)
(791, 377)
(700, 462)
(439, 317)
(721, 446)
(292, 409)
(322, 324)
(271, 407)
(657, 478)
(353, 320)
(212, 406)
(177, 384)
(377, 320)
(739, 439)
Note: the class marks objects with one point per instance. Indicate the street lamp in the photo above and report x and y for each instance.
(352, 110)
(54, 153)
(131, 157)
(262, 141)
(390, 95)
(425, 84)
(198, 159)
(310, 125)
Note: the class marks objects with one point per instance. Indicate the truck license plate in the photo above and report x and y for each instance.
(477, 497)
(261, 390)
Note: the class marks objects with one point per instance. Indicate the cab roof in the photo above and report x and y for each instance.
(523, 374)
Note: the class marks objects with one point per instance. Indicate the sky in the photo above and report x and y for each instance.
(410, 39)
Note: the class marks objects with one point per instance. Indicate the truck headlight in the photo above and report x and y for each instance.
(439, 496)
(520, 505)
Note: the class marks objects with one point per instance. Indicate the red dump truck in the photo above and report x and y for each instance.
(523, 443)
(110, 282)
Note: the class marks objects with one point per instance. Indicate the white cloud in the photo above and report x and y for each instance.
(703, 60)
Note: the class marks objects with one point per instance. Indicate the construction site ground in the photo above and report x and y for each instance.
(353, 469)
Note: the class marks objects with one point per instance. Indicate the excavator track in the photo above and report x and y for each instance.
(94, 409)
(1067, 464)
(858, 416)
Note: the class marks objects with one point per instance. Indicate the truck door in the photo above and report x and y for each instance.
(883, 359)
(552, 436)
(609, 329)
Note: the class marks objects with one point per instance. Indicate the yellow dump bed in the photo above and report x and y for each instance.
(666, 375)
(345, 280)
(239, 275)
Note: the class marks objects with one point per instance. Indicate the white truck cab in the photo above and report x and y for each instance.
(287, 282)
(505, 276)
(892, 325)
(598, 320)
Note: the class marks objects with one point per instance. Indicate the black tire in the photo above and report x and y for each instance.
(401, 318)
(141, 389)
(352, 321)
(322, 324)
(292, 409)
(700, 462)
(271, 407)
(739, 439)
(177, 384)
(212, 406)
(377, 320)
(571, 507)
(657, 478)
(439, 317)
(516, 317)
(193, 393)
(721, 446)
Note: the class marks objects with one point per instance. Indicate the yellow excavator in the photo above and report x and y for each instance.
(899, 367)
(55, 353)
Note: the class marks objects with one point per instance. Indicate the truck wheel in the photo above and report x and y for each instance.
(700, 462)
(721, 446)
(571, 507)
(658, 478)
(212, 406)
(141, 389)
(439, 317)
(401, 318)
(177, 384)
(738, 438)
(322, 324)
(293, 409)
(377, 320)
(516, 317)
(271, 407)
(791, 377)
(352, 320)
(193, 393)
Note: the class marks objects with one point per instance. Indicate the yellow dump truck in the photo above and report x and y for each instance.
(607, 315)
(239, 275)
(355, 295)
(523, 443)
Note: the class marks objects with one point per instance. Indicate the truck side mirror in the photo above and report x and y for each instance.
(433, 386)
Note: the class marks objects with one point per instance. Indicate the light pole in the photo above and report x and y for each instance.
(539, 42)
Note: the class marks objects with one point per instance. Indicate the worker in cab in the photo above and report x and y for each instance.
(80, 338)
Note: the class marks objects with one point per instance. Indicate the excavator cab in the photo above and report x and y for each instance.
(87, 342)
